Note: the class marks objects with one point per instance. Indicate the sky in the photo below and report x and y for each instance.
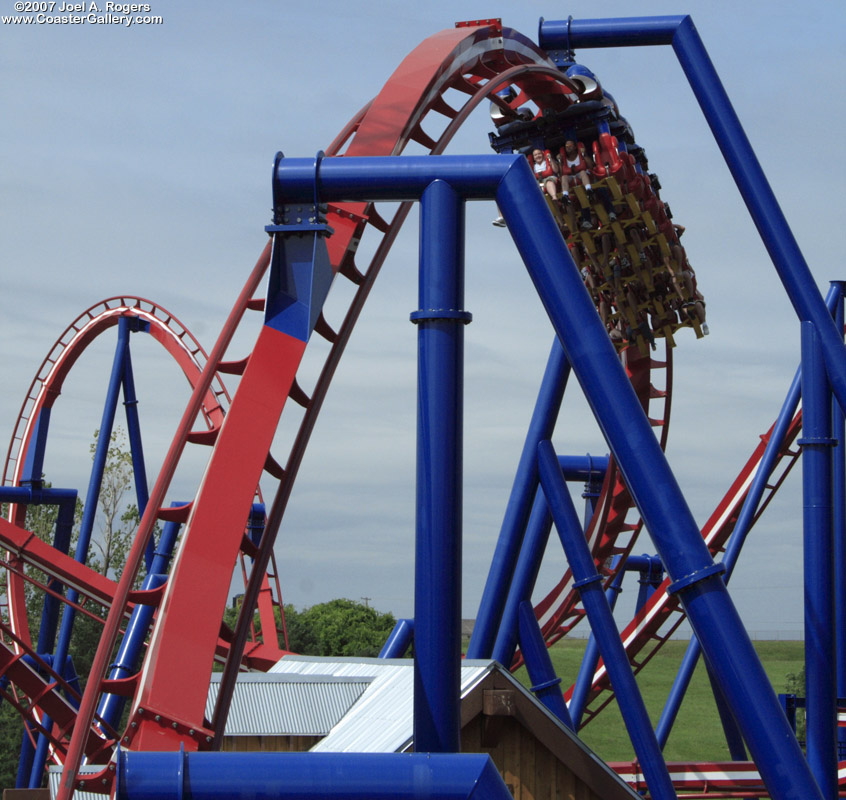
(136, 160)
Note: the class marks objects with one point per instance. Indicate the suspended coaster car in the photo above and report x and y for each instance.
(619, 231)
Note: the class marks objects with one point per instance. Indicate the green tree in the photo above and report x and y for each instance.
(339, 627)
(11, 735)
(117, 518)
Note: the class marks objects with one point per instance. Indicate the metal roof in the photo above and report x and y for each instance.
(381, 720)
(54, 777)
(280, 704)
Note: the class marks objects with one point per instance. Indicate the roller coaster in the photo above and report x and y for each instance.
(610, 269)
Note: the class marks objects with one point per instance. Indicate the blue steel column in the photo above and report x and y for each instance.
(738, 537)
(523, 581)
(833, 301)
(820, 649)
(589, 583)
(519, 506)
(838, 429)
(136, 448)
(526, 570)
(590, 659)
(125, 664)
(440, 369)
(400, 638)
(546, 685)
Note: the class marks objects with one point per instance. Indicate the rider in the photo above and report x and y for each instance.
(575, 167)
(546, 171)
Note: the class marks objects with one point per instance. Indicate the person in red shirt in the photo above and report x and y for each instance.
(574, 167)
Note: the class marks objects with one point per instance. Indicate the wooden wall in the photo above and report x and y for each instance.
(528, 768)
(269, 744)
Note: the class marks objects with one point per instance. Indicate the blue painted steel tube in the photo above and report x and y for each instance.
(523, 582)
(307, 776)
(731, 730)
(833, 301)
(136, 448)
(589, 583)
(31, 496)
(440, 375)
(388, 177)
(528, 564)
(531, 554)
(546, 685)
(399, 640)
(61, 541)
(738, 537)
(611, 32)
(34, 465)
(534, 545)
(126, 662)
(590, 659)
(518, 509)
(784, 251)
(838, 430)
(820, 648)
(669, 521)
(583, 468)
(111, 705)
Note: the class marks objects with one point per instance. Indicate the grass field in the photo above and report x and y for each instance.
(697, 733)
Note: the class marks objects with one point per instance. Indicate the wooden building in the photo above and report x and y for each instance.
(537, 756)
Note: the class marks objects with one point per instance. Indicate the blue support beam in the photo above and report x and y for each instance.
(546, 685)
(589, 584)
(133, 428)
(525, 573)
(519, 507)
(307, 776)
(838, 430)
(34, 464)
(833, 301)
(590, 659)
(440, 401)
(523, 582)
(820, 648)
(531, 554)
(398, 642)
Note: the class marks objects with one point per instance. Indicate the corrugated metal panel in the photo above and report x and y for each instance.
(54, 777)
(381, 720)
(287, 704)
